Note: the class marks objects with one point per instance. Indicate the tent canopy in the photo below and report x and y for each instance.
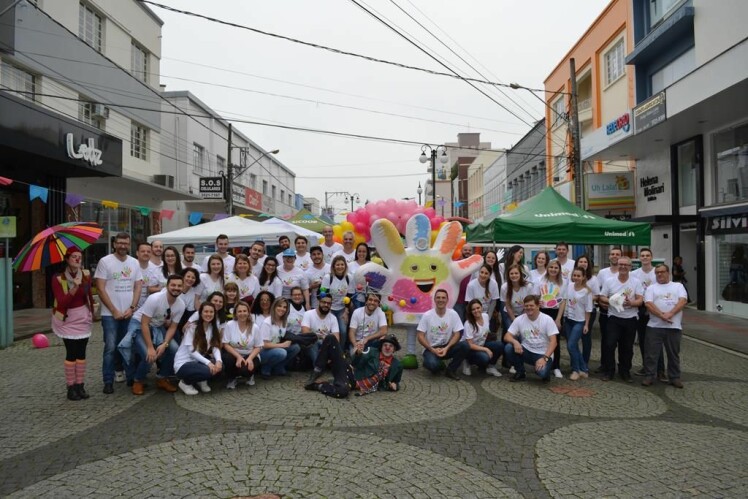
(549, 218)
(241, 232)
(312, 236)
(305, 218)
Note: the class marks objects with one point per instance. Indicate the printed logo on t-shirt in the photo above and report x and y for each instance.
(532, 332)
(125, 274)
(549, 295)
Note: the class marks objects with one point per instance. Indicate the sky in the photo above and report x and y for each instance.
(235, 71)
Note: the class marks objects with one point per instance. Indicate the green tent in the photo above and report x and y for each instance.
(549, 218)
(304, 218)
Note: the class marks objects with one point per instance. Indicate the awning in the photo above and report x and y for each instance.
(126, 190)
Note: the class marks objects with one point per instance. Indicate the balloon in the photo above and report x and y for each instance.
(434, 233)
(435, 223)
(338, 239)
(40, 341)
(351, 217)
(457, 255)
(361, 227)
(347, 226)
(337, 230)
(430, 212)
(384, 307)
(358, 239)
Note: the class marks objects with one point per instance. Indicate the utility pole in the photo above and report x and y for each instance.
(228, 184)
(576, 144)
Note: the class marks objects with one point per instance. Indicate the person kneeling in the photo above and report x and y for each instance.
(191, 363)
(538, 335)
(369, 371)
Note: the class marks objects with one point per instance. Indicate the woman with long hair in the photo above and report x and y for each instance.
(269, 280)
(484, 289)
(491, 259)
(277, 353)
(172, 263)
(198, 358)
(242, 344)
(191, 291)
(540, 262)
(513, 293)
(261, 306)
(514, 256)
(552, 294)
(242, 275)
(577, 324)
(586, 263)
(339, 285)
(363, 256)
(72, 318)
(483, 353)
(213, 279)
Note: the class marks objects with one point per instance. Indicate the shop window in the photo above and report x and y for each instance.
(687, 174)
(139, 63)
(20, 82)
(90, 26)
(614, 63)
(731, 164)
(732, 267)
(138, 141)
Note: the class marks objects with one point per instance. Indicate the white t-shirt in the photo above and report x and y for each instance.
(551, 294)
(604, 275)
(186, 352)
(517, 304)
(275, 286)
(209, 285)
(338, 289)
(594, 284)
(329, 251)
(249, 286)
(120, 281)
(439, 329)
(228, 263)
(242, 341)
(294, 318)
(194, 265)
(365, 324)
(320, 327)
(148, 280)
(188, 298)
(578, 302)
(535, 335)
(349, 257)
(257, 267)
(260, 319)
(475, 290)
(665, 297)
(646, 278)
(291, 279)
(566, 269)
(272, 333)
(477, 335)
(313, 276)
(630, 289)
(156, 307)
(303, 262)
(536, 275)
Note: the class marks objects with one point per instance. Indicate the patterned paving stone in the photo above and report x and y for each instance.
(284, 462)
(702, 359)
(35, 410)
(663, 460)
(588, 397)
(421, 397)
(720, 399)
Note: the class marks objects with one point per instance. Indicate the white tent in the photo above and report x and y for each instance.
(312, 236)
(241, 232)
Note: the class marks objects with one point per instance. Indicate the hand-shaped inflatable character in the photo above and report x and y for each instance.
(415, 273)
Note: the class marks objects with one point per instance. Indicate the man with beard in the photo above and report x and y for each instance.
(157, 251)
(283, 243)
(188, 257)
(320, 322)
(531, 339)
(257, 257)
(314, 274)
(368, 324)
(439, 333)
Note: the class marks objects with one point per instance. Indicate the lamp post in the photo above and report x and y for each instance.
(419, 191)
(353, 197)
(231, 173)
(424, 158)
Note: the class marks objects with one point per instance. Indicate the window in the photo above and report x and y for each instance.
(220, 164)
(674, 71)
(273, 190)
(687, 165)
(139, 63)
(138, 141)
(14, 78)
(253, 181)
(264, 187)
(614, 63)
(731, 150)
(289, 201)
(660, 9)
(89, 26)
(198, 159)
(559, 111)
(90, 113)
(283, 195)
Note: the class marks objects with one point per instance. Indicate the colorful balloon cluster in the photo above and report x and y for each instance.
(397, 211)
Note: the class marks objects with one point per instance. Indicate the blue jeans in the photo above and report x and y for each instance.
(587, 339)
(194, 372)
(481, 359)
(460, 309)
(139, 371)
(527, 357)
(276, 360)
(126, 345)
(574, 332)
(114, 331)
(457, 353)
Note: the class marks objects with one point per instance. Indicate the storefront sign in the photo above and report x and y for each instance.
(607, 191)
(621, 123)
(87, 152)
(727, 224)
(649, 113)
(211, 187)
(253, 199)
(605, 136)
(7, 227)
(651, 187)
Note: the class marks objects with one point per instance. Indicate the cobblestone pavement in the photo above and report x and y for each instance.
(479, 437)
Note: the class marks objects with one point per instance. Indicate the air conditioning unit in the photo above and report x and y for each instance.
(165, 180)
(100, 111)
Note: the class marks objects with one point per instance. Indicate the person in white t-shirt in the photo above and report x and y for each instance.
(483, 353)
(646, 275)
(321, 322)
(119, 281)
(291, 276)
(188, 258)
(277, 353)
(348, 251)
(198, 358)
(329, 247)
(316, 273)
(567, 264)
(222, 250)
(153, 327)
(157, 251)
(257, 257)
(540, 261)
(665, 300)
(579, 307)
(621, 323)
(303, 258)
(602, 276)
(531, 339)
(296, 310)
(585, 263)
(242, 343)
(439, 333)
(368, 325)
(483, 289)
(245, 280)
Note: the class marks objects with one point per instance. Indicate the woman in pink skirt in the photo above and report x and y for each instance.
(72, 317)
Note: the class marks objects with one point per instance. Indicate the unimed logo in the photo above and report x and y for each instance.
(625, 233)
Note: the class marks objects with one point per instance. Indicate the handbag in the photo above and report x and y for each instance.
(303, 340)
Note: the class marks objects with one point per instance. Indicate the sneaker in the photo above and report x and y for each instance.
(119, 376)
(493, 371)
(251, 380)
(187, 389)
(584, 374)
(557, 373)
(574, 376)
(641, 372)
(466, 369)
(203, 385)
(108, 388)
(231, 385)
(165, 385)
(518, 377)
(512, 370)
(452, 374)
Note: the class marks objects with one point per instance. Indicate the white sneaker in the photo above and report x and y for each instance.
(187, 389)
(493, 371)
(512, 370)
(203, 385)
(466, 368)
(119, 376)
(231, 385)
(574, 376)
(251, 380)
(557, 373)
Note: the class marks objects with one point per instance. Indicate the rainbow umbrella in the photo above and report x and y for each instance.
(50, 245)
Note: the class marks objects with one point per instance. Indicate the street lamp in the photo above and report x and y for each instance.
(352, 197)
(424, 158)
(419, 191)
(231, 173)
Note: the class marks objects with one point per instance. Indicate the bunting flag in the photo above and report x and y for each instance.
(73, 200)
(167, 214)
(219, 216)
(144, 210)
(494, 208)
(195, 217)
(5, 181)
(36, 191)
(459, 203)
(109, 204)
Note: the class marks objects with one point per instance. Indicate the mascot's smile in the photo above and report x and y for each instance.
(425, 285)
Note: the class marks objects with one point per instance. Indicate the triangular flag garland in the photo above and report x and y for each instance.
(5, 181)
(144, 210)
(36, 191)
(195, 217)
(219, 216)
(73, 200)
(167, 214)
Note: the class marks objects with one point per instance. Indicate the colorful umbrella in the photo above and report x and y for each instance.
(51, 244)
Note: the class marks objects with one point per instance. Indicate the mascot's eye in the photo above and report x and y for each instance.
(414, 268)
(433, 267)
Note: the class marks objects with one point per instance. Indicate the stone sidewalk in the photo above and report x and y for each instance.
(479, 437)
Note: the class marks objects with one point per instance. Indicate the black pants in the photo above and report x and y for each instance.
(604, 337)
(331, 352)
(621, 334)
(553, 313)
(229, 366)
(75, 349)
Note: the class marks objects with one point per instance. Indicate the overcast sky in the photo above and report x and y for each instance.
(507, 40)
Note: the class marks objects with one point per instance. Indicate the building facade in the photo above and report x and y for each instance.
(525, 166)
